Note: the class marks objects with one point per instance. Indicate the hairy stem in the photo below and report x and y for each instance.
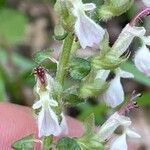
(47, 141)
(64, 58)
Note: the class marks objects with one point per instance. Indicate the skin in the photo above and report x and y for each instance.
(17, 121)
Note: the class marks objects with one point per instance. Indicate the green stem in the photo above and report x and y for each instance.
(64, 58)
(47, 141)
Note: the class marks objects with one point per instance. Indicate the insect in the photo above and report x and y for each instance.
(40, 73)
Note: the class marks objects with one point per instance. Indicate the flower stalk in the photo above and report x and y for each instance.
(64, 58)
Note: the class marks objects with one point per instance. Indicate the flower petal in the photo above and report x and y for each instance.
(146, 40)
(48, 123)
(120, 143)
(142, 60)
(102, 74)
(132, 133)
(37, 105)
(53, 102)
(114, 95)
(87, 31)
(111, 124)
(146, 2)
(125, 38)
(124, 74)
(89, 6)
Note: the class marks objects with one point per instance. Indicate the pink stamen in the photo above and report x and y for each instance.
(145, 12)
(131, 104)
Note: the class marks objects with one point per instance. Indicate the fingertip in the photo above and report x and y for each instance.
(18, 122)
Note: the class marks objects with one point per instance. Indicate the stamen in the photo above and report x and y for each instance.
(131, 104)
(39, 72)
(142, 14)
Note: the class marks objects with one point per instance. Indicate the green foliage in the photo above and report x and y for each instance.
(112, 8)
(104, 45)
(2, 3)
(89, 127)
(59, 33)
(71, 97)
(2, 88)
(79, 68)
(99, 112)
(66, 19)
(12, 25)
(25, 143)
(88, 140)
(41, 56)
(109, 62)
(67, 143)
(92, 88)
(104, 60)
(138, 76)
(13, 79)
(144, 100)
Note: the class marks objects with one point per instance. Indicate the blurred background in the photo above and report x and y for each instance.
(26, 26)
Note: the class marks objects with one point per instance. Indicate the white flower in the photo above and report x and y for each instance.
(114, 95)
(48, 122)
(120, 143)
(102, 74)
(108, 128)
(87, 31)
(125, 38)
(142, 59)
(111, 125)
(147, 3)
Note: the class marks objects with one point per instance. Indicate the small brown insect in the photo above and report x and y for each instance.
(39, 72)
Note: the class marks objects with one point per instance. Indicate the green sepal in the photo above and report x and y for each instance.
(66, 19)
(89, 127)
(26, 143)
(92, 89)
(59, 32)
(89, 141)
(71, 97)
(41, 56)
(67, 143)
(104, 45)
(79, 68)
(112, 8)
(108, 63)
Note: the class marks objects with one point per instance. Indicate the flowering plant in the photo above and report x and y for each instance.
(77, 29)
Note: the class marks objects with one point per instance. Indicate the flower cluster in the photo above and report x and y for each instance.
(93, 73)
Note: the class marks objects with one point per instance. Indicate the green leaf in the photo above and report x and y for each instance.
(70, 96)
(40, 56)
(25, 143)
(12, 25)
(3, 95)
(79, 68)
(138, 76)
(67, 143)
